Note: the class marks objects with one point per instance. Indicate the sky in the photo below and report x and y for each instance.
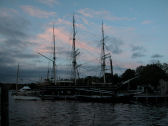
(135, 35)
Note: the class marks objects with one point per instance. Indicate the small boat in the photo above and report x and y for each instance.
(25, 93)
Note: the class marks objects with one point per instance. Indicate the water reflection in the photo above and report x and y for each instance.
(71, 113)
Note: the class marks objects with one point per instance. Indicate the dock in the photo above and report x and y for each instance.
(83, 93)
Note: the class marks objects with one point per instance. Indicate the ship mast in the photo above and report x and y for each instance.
(111, 66)
(48, 72)
(17, 77)
(74, 64)
(54, 58)
(75, 53)
(103, 64)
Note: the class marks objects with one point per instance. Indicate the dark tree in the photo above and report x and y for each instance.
(163, 66)
(139, 69)
(128, 74)
(109, 78)
(116, 79)
(151, 74)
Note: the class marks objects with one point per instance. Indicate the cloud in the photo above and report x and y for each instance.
(65, 23)
(95, 70)
(13, 29)
(36, 12)
(137, 55)
(138, 51)
(146, 22)
(49, 2)
(61, 21)
(9, 57)
(104, 14)
(154, 61)
(8, 74)
(156, 56)
(138, 48)
(6, 59)
(114, 18)
(85, 21)
(60, 51)
(62, 37)
(126, 34)
(91, 13)
(14, 45)
(114, 45)
(28, 75)
(119, 69)
(8, 12)
(12, 25)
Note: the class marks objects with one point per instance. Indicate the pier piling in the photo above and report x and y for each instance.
(4, 106)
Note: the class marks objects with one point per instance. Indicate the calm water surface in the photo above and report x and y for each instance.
(73, 113)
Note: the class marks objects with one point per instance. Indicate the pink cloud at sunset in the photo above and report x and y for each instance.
(45, 39)
(36, 12)
(6, 12)
(49, 2)
(87, 12)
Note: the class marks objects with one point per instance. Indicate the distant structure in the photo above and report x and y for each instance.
(75, 53)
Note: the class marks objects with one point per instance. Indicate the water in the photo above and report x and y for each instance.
(72, 113)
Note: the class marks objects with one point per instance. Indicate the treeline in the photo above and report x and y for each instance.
(148, 74)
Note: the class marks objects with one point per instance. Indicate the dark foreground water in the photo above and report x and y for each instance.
(72, 113)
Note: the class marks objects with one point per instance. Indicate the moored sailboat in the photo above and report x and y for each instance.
(25, 93)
